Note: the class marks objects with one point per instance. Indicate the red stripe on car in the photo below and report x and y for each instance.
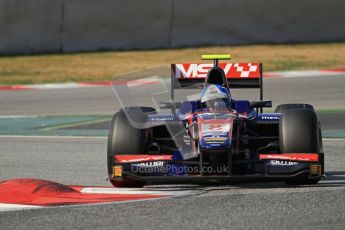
(314, 157)
(141, 158)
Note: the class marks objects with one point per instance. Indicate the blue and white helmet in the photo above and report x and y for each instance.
(216, 96)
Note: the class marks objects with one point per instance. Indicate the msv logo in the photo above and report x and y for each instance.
(237, 70)
(270, 117)
(194, 70)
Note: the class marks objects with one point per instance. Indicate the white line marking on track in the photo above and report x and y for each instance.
(307, 73)
(127, 191)
(17, 116)
(331, 181)
(333, 139)
(61, 86)
(14, 207)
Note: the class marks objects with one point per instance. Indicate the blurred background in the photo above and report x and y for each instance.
(61, 26)
(105, 38)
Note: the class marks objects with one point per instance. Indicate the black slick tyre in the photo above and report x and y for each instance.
(299, 132)
(127, 137)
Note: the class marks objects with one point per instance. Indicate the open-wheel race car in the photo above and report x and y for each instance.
(216, 137)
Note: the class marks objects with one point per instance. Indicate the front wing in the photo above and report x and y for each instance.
(268, 167)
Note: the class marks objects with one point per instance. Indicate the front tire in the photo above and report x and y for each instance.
(299, 132)
(126, 137)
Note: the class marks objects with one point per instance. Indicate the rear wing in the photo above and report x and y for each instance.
(238, 75)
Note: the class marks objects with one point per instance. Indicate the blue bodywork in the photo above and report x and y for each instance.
(190, 107)
(217, 140)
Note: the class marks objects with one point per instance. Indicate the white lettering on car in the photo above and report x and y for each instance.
(270, 118)
(282, 163)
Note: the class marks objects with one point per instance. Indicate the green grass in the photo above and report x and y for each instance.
(102, 66)
(331, 111)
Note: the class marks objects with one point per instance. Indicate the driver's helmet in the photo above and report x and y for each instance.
(216, 98)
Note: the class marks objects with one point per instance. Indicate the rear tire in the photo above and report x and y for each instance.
(299, 132)
(126, 136)
(283, 107)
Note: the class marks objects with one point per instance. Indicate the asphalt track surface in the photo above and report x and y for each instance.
(265, 205)
(237, 206)
(322, 92)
